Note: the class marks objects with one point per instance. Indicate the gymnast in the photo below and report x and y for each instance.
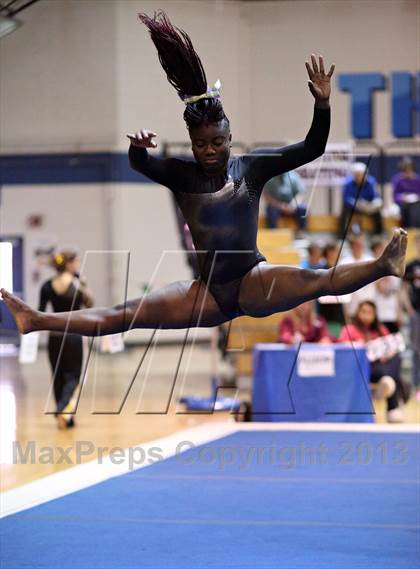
(219, 198)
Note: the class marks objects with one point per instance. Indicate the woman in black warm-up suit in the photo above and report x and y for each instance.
(65, 292)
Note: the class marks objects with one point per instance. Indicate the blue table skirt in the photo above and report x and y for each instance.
(280, 394)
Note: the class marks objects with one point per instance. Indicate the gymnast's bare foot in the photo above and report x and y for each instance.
(393, 256)
(25, 317)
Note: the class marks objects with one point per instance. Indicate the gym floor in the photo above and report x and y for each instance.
(146, 414)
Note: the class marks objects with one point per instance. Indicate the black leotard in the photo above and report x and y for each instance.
(222, 211)
(71, 299)
(65, 351)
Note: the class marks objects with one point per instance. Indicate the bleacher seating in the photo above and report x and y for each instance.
(245, 332)
(329, 223)
(411, 247)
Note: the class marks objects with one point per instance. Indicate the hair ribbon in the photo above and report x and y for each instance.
(211, 93)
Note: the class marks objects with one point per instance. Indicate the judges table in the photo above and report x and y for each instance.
(328, 383)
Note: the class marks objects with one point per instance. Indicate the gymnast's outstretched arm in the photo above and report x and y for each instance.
(169, 172)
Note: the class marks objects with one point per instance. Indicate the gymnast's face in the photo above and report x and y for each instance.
(211, 146)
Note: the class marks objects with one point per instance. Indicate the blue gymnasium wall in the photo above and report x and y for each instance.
(114, 167)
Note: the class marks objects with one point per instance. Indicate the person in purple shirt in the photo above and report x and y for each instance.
(368, 201)
(406, 187)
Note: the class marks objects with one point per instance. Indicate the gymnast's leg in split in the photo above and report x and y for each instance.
(267, 289)
(183, 304)
(264, 290)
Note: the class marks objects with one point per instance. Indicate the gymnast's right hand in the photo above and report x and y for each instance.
(143, 138)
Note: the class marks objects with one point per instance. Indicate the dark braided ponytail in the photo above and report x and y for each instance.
(183, 69)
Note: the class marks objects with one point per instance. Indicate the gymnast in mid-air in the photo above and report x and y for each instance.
(219, 197)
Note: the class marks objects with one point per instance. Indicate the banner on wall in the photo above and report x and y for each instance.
(331, 168)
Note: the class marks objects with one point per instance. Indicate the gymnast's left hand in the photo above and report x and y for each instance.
(319, 82)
